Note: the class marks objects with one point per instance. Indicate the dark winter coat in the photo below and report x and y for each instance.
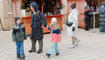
(87, 15)
(18, 33)
(36, 24)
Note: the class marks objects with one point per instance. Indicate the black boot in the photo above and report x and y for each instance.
(40, 51)
(57, 54)
(32, 51)
(48, 55)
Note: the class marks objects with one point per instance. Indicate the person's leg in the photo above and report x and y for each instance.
(56, 49)
(50, 51)
(86, 22)
(76, 41)
(89, 23)
(73, 42)
(33, 48)
(40, 46)
(22, 49)
(18, 48)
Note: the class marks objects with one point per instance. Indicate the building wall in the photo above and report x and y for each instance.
(64, 10)
(0, 16)
(6, 19)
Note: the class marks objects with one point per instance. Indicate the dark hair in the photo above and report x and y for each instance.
(16, 18)
(73, 5)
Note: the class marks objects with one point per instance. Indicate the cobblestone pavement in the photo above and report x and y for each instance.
(91, 47)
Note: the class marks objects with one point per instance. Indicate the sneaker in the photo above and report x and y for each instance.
(57, 54)
(72, 46)
(77, 42)
(19, 56)
(38, 52)
(32, 51)
(22, 57)
(48, 55)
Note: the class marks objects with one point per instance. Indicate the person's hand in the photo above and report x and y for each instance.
(13, 40)
(73, 29)
(25, 38)
(43, 27)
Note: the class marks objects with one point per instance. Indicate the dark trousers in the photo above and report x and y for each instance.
(40, 42)
(87, 22)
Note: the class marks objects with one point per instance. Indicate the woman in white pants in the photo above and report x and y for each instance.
(72, 30)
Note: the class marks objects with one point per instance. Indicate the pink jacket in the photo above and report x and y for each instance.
(55, 37)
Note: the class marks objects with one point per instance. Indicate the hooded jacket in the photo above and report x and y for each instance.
(36, 24)
(36, 18)
(19, 33)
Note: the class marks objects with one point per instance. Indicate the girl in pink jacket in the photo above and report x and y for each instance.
(55, 37)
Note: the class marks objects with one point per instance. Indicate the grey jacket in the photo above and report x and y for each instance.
(18, 33)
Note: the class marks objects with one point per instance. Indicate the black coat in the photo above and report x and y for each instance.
(36, 24)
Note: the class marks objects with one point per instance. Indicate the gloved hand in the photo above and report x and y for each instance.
(73, 29)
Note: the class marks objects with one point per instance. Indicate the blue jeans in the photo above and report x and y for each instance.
(53, 47)
(20, 48)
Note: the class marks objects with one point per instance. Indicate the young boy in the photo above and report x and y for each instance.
(19, 35)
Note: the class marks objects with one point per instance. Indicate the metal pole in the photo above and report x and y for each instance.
(94, 22)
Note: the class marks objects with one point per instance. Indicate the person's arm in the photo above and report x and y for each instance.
(25, 35)
(75, 21)
(32, 22)
(14, 35)
(43, 18)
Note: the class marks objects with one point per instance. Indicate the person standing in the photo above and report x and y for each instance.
(36, 26)
(72, 30)
(102, 17)
(19, 35)
(87, 18)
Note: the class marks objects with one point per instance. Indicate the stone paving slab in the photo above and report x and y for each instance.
(91, 47)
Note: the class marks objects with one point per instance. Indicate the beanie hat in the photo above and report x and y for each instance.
(53, 20)
(16, 18)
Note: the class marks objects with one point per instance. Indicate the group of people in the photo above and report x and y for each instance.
(19, 33)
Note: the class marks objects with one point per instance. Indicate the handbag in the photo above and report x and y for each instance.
(69, 23)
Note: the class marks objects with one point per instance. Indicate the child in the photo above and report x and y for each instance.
(55, 37)
(19, 35)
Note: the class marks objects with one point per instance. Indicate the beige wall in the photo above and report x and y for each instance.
(6, 18)
(64, 10)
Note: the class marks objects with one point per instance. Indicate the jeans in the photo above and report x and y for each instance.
(20, 48)
(53, 47)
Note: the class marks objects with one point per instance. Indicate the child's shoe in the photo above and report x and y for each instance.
(72, 46)
(22, 57)
(57, 54)
(48, 55)
(19, 56)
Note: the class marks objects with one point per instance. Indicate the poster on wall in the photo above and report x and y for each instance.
(102, 18)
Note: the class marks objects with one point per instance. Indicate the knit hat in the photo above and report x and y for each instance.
(16, 18)
(53, 20)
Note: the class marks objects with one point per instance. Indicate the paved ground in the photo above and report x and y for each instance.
(91, 47)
